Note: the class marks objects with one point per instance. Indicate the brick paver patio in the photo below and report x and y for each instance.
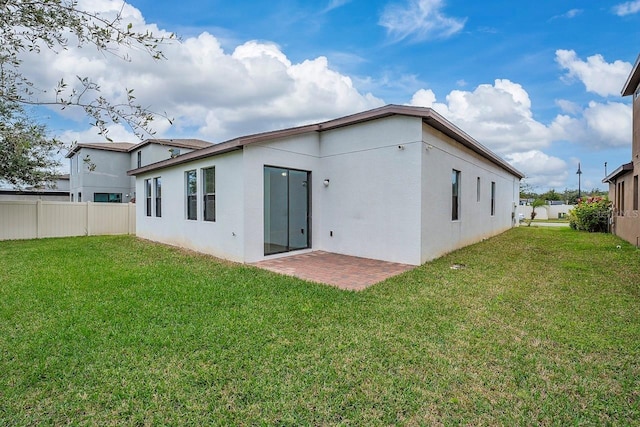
(343, 271)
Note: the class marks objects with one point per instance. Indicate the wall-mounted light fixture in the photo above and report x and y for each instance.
(326, 182)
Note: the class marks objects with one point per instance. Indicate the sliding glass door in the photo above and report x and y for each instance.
(286, 210)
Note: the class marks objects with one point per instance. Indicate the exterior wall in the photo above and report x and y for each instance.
(440, 234)
(300, 152)
(152, 153)
(385, 186)
(109, 176)
(626, 220)
(223, 238)
(635, 145)
(372, 204)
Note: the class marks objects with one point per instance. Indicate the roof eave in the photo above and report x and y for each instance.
(428, 115)
(438, 122)
(168, 142)
(186, 158)
(622, 170)
(633, 80)
(77, 148)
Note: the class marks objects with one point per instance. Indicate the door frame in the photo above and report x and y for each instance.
(308, 211)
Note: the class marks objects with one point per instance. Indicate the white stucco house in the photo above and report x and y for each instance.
(396, 183)
(98, 171)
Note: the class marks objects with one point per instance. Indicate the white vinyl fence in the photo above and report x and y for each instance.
(35, 219)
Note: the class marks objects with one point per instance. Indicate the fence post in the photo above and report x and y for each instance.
(89, 218)
(39, 215)
(131, 221)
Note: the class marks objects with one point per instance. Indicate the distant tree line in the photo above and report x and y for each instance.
(570, 196)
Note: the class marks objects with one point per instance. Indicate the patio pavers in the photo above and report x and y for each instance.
(343, 271)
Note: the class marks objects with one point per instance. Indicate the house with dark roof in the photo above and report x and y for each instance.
(98, 171)
(56, 191)
(624, 191)
(397, 183)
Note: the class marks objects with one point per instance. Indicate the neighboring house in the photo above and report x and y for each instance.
(58, 191)
(396, 183)
(624, 191)
(99, 170)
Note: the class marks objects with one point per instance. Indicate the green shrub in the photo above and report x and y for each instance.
(591, 215)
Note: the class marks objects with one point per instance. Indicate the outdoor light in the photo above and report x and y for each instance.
(579, 173)
(326, 182)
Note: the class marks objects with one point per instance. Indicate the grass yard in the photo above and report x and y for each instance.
(542, 326)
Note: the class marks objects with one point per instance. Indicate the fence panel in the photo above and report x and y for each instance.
(109, 218)
(18, 220)
(31, 219)
(62, 219)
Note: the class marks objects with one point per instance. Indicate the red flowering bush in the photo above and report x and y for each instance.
(591, 215)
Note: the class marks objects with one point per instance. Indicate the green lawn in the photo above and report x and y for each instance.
(541, 327)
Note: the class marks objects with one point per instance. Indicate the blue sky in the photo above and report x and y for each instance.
(537, 82)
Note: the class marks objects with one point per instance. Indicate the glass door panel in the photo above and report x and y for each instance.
(286, 210)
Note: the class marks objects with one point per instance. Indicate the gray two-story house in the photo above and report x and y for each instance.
(98, 171)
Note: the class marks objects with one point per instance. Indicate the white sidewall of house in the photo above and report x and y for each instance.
(440, 234)
(223, 238)
(371, 207)
(388, 195)
(299, 152)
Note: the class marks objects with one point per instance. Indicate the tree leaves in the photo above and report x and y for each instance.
(29, 26)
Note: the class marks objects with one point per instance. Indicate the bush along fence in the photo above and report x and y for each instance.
(35, 219)
(591, 215)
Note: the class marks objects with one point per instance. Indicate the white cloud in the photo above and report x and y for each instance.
(419, 20)
(210, 93)
(627, 8)
(540, 169)
(498, 115)
(598, 126)
(118, 133)
(569, 14)
(423, 98)
(598, 76)
(334, 4)
(568, 106)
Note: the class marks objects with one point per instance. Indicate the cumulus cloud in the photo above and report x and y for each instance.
(540, 168)
(627, 8)
(600, 125)
(423, 98)
(209, 92)
(598, 76)
(568, 106)
(498, 115)
(419, 20)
